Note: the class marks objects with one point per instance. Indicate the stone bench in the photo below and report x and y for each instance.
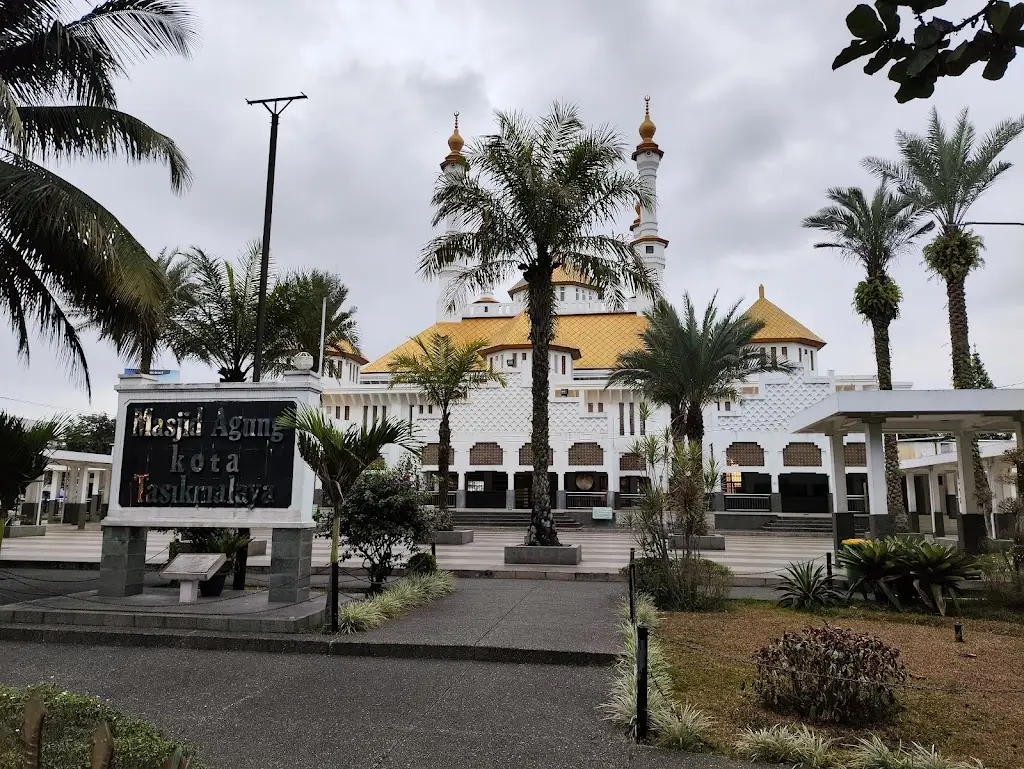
(190, 569)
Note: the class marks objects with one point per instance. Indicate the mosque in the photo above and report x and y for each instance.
(767, 470)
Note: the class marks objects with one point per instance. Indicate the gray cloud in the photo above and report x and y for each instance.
(754, 124)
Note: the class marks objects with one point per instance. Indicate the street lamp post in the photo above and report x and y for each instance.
(275, 107)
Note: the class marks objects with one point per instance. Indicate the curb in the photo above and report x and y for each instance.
(297, 644)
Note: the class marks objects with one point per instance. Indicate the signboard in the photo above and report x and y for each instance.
(602, 513)
(207, 454)
(163, 375)
(194, 566)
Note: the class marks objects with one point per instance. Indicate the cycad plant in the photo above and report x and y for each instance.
(806, 586)
(686, 361)
(873, 234)
(62, 254)
(944, 174)
(218, 327)
(537, 196)
(446, 372)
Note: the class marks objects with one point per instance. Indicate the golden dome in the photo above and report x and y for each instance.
(636, 222)
(647, 128)
(455, 141)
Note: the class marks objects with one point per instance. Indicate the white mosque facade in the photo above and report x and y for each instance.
(766, 470)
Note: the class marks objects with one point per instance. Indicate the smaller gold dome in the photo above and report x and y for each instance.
(647, 128)
(455, 141)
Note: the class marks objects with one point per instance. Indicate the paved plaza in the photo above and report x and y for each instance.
(603, 551)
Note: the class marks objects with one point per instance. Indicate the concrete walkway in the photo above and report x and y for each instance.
(254, 711)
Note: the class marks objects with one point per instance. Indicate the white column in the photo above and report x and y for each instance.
(965, 473)
(839, 499)
(877, 502)
(911, 496)
(938, 502)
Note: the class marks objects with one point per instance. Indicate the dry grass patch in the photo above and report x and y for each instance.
(710, 656)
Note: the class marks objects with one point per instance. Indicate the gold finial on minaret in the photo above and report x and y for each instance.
(636, 222)
(455, 145)
(760, 291)
(647, 128)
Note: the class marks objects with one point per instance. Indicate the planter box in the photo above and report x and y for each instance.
(456, 537)
(707, 542)
(21, 530)
(556, 555)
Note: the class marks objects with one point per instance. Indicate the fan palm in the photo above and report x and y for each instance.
(339, 458)
(141, 339)
(873, 234)
(295, 310)
(218, 327)
(535, 197)
(24, 453)
(944, 174)
(446, 372)
(685, 362)
(61, 252)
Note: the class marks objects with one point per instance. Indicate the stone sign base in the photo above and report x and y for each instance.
(24, 530)
(456, 537)
(158, 608)
(556, 555)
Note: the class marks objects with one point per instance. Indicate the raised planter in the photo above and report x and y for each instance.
(21, 530)
(455, 537)
(548, 555)
(706, 542)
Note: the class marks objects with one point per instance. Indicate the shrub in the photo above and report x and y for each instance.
(1002, 582)
(795, 746)
(70, 721)
(872, 753)
(681, 727)
(359, 616)
(687, 583)
(421, 563)
(829, 675)
(436, 585)
(646, 612)
(396, 600)
(806, 586)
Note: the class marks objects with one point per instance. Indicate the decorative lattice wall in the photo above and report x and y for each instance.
(526, 455)
(486, 454)
(745, 454)
(801, 454)
(586, 455)
(432, 452)
(856, 455)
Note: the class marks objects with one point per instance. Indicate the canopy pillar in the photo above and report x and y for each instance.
(842, 518)
(880, 524)
(971, 530)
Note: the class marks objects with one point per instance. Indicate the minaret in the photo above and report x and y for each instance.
(454, 165)
(646, 240)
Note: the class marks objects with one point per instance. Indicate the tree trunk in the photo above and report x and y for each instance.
(146, 360)
(677, 423)
(893, 476)
(541, 313)
(444, 442)
(695, 424)
(963, 379)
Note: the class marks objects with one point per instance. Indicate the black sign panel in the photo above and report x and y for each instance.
(207, 454)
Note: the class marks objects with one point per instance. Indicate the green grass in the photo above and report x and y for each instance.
(70, 721)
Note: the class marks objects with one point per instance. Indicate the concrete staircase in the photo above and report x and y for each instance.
(820, 525)
(518, 519)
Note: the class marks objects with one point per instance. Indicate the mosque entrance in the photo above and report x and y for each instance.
(804, 492)
(487, 489)
(523, 485)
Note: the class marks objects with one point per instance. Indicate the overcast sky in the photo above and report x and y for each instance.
(754, 124)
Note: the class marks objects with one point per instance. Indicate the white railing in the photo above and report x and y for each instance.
(748, 503)
(576, 499)
(857, 503)
(435, 498)
(627, 501)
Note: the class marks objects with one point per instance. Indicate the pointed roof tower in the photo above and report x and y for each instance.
(779, 326)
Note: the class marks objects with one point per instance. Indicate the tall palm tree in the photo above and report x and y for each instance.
(944, 174)
(25, 450)
(873, 234)
(339, 458)
(295, 309)
(218, 327)
(685, 361)
(61, 252)
(141, 339)
(446, 372)
(535, 198)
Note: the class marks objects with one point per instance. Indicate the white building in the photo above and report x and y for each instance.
(767, 470)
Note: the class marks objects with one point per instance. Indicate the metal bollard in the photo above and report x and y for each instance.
(641, 683)
(958, 632)
(433, 549)
(828, 568)
(632, 586)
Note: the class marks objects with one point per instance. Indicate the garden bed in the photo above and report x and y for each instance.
(709, 656)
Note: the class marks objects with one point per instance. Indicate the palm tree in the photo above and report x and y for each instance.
(61, 252)
(685, 362)
(295, 309)
(446, 372)
(218, 328)
(944, 174)
(874, 234)
(25, 450)
(339, 458)
(141, 339)
(535, 197)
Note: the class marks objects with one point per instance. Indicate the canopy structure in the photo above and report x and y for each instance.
(962, 413)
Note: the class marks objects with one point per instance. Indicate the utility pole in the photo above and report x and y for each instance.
(275, 107)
